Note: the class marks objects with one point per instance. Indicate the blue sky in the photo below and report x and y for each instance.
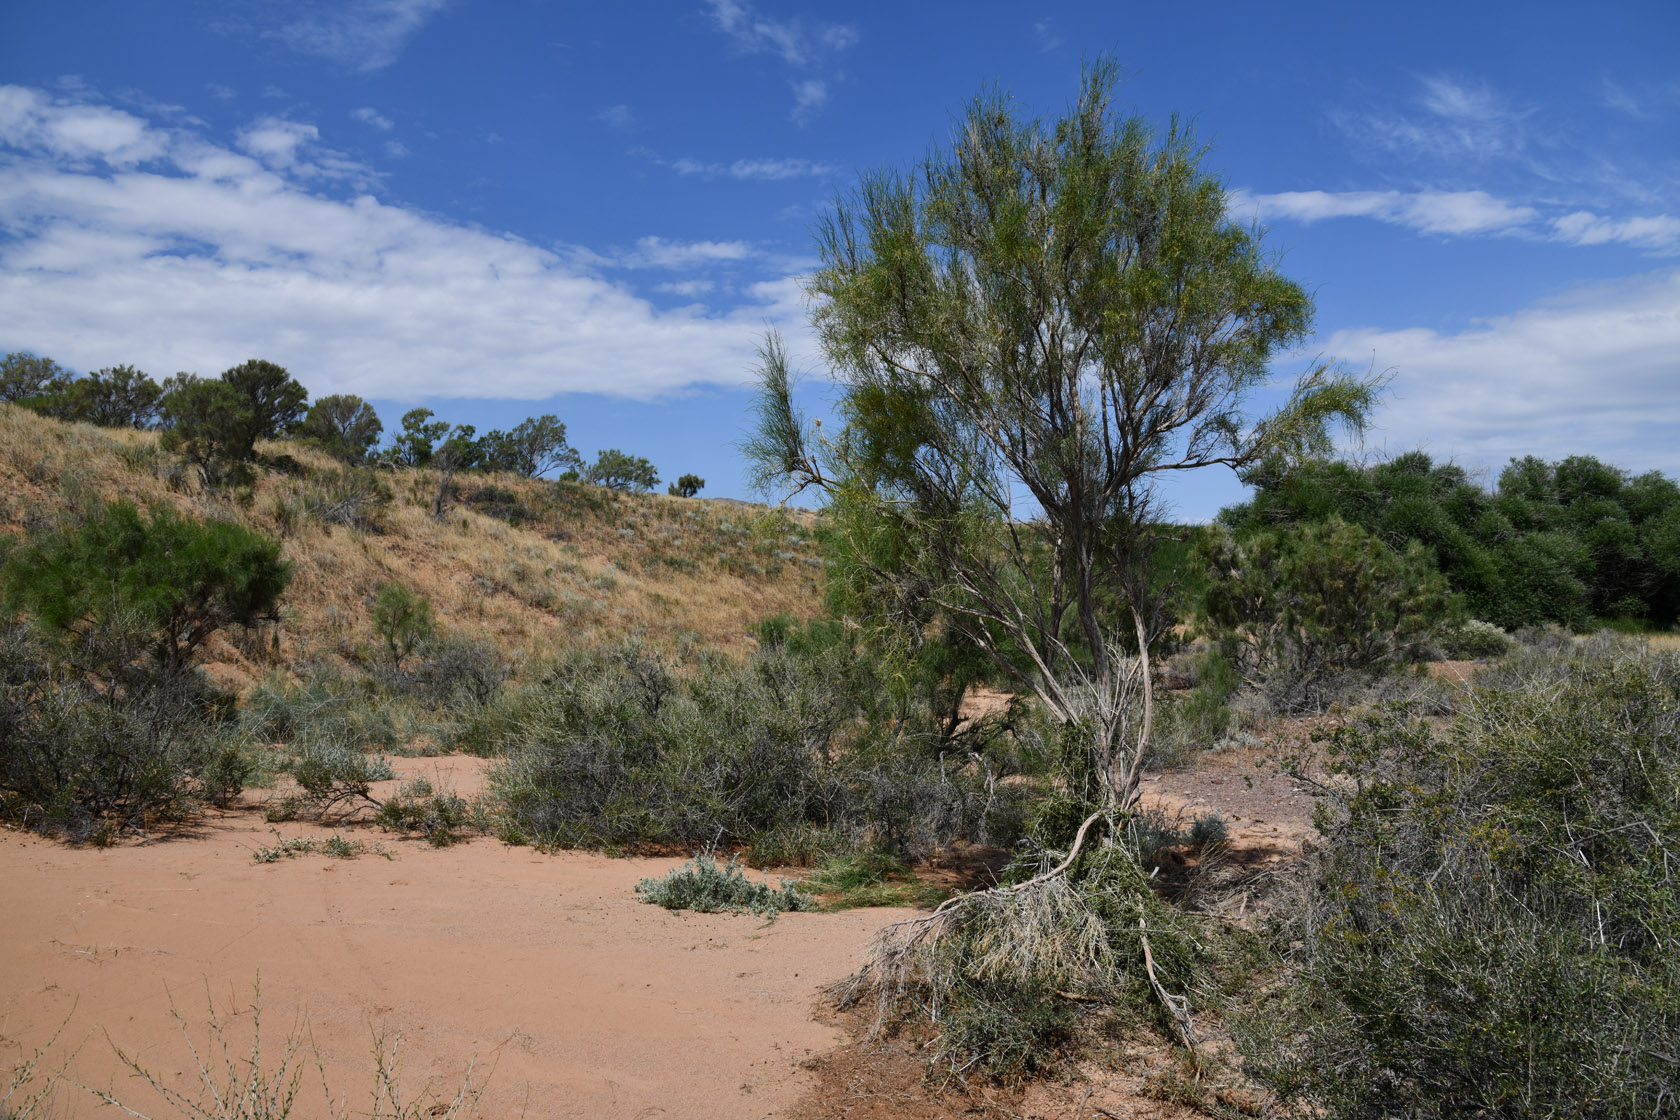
(498, 210)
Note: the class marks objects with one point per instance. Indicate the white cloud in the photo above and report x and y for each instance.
(276, 141)
(207, 255)
(221, 92)
(1459, 214)
(1593, 373)
(754, 33)
(772, 168)
(364, 34)
(657, 252)
(1460, 120)
(1045, 32)
(1658, 234)
(1439, 212)
(396, 149)
(373, 118)
(808, 96)
(621, 117)
(839, 37)
(687, 288)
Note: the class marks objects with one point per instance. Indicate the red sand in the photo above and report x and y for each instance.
(588, 1002)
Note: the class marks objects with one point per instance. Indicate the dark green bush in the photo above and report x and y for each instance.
(1492, 924)
(176, 579)
(417, 807)
(1303, 612)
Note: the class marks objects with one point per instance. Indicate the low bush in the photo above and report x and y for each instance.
(437, 815)
(1476, 640)
(1491, 922)
(621, 748)
(708, 887)
(90, 761)
(335, 776)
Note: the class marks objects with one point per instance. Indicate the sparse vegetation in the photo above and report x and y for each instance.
(706, 886)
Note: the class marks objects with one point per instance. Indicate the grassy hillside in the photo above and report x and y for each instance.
(532, 565)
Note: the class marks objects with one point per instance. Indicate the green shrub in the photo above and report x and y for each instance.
(177, 579)
(1304, 612)
(89, 761)
(417, 807)
(1492, 916)
(1476, 640)
(708, 887)
(334, 774)
(402, 619)
(619, 747)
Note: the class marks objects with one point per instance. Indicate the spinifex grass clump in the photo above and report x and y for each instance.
(1492, 923)
(708, 887)
(1002, 973)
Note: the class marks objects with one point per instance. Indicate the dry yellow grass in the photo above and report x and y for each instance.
(531, 565)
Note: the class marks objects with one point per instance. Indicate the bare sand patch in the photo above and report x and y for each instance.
(588, 1002)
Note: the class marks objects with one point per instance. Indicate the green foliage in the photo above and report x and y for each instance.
(335, 774)
(210, 424)
(25, 376)
(437, 815)
(403, 619)
(115, 397)
(708, 887)
(273, 401)
(621, 748)
(1478, 640)
(1552, 542)
(343, 425)
(687, 486)
(533, 448)
(615, 470)
(413, 445)
(1030, 329)
(92, 758)
(177, 579)
(1492, 917)
(1303, 609)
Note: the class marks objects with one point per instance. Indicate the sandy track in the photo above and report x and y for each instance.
(589, 1002)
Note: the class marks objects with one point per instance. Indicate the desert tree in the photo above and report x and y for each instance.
(413, 446)
(273, 398)
(1031, 330)
(687, 486)
(617, 470)
(24, 376)
(209, 423)
(535, 446)
(344, 425)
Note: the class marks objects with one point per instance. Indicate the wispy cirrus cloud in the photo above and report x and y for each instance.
(126, 240)
(768, 168)
(364, 35)
(1593, 372)
(373, 119)
(754, 33)
(1451, 119)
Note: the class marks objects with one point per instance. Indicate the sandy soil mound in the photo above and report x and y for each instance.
(588, 1002)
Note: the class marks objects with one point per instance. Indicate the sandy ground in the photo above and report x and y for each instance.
(577, 999)
(587, 1002)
